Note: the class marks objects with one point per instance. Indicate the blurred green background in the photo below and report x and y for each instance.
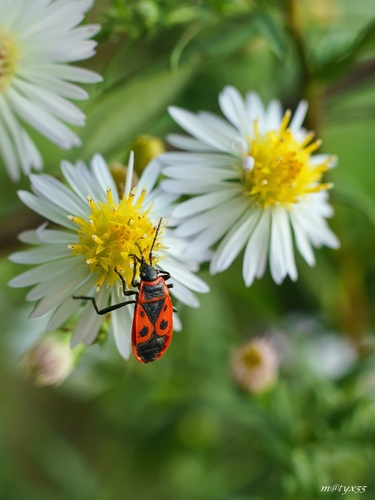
(181, 428)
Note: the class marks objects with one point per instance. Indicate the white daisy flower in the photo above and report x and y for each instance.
(253, 181)
(37, 40)
(99, 230)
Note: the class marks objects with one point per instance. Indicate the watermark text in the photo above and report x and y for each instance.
(341, 488)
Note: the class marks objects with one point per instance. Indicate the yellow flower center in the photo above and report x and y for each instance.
(251, 356)
(278, 170)
(8, 60)
(112, 233)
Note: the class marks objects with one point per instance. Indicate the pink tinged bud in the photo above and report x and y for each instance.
(48, 362)
(254, 365)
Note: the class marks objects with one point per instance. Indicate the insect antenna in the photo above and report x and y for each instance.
(136, 256)
(153, 243)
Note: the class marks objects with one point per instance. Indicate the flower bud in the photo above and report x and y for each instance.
(49, 361)
(146, 148)
(255, 364)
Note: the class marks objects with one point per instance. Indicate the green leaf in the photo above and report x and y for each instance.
(358, 200)
(223, 39)
(126, 111)
(338, 62)
(273, 33)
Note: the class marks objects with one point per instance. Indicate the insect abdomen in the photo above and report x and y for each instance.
(152, 349)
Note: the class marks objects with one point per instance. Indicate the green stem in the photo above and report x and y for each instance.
(310, 88)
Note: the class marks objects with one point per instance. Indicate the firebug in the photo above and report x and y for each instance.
(152, 328)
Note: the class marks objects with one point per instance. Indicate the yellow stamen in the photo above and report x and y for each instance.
(109, 196)
(8, 60)
(111, 233)
(282, 172)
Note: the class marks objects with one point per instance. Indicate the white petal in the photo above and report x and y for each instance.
(233, 107)
(322, 158)
(274, 115)
(42, 121)
(40, 255)
(184, 295)
(229, 212)
(103, 176)
(75, 74)
(50, 302)
(177, 325)
(66, 309)
(256, 253)
(88, 324)
(31, 236)
(55, 284)
(190, 187)
(188, 144)
(234, 241)
(46, 209)
(281, 251)
(298, 117)
(56, 237)
(122, 326)
(302, 242)
(149, 176)
(45, 272)
(255, 111)
(184, 276)
(184, 160)
(222, 129)
(50, 188)
(81, 180)
(8, 153)
(199, 130)
(17, 136)
(315, 226)
(203, 174)
(207, 201)
(56, 105)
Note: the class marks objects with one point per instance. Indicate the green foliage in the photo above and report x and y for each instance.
(180, 428)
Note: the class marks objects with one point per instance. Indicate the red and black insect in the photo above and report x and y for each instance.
(152, 328)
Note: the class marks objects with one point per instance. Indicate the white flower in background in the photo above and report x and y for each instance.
(255, 365)
(253, 181)
(38, 38)
(99, 229)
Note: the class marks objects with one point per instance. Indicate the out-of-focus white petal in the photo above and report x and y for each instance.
(45, 36)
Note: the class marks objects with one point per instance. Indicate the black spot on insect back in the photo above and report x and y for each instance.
(163, 324)
(144, 331)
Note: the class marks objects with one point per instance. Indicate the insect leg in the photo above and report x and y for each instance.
(124, 291)
(106, 310)
(136, 259)
(165, 275)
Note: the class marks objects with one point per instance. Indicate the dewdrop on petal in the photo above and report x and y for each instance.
(254, 365)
